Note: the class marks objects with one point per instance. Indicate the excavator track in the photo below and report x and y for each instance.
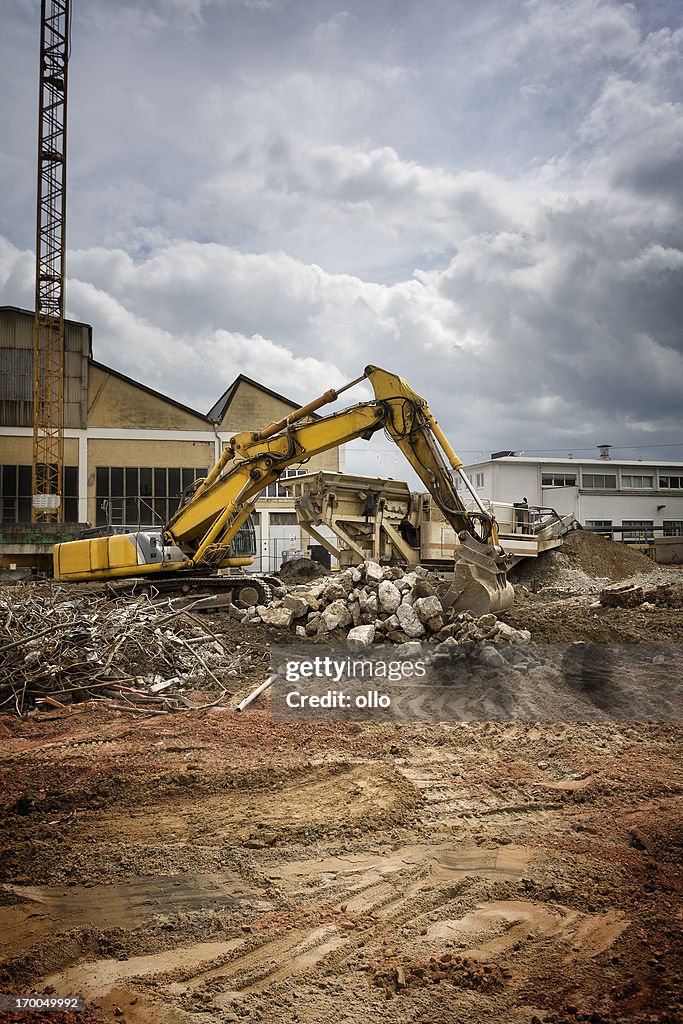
(246, 590)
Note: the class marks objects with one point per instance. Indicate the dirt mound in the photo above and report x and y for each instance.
(584, 560)
(602, 557)
(298, 570)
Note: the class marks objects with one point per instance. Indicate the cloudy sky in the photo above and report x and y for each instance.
(485, 197)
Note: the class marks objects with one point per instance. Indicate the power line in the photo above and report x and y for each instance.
(614, 447)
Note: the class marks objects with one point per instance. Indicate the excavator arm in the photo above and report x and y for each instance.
(251, 461)
(201, 532)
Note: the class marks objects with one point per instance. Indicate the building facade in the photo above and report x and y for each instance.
(630, 500)
(129, 451)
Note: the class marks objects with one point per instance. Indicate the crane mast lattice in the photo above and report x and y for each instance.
(48, 336)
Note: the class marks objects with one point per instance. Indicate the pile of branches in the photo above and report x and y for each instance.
(142, 652)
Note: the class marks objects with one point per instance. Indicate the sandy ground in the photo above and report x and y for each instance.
(208, 867)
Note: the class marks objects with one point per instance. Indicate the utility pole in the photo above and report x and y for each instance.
(48, 333)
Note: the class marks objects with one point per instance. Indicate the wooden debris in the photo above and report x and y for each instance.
(59, 646)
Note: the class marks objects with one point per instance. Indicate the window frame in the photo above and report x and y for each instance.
(555, 477)
(598, 487)
(150, 508)
(16, 493)
(637, 476)
(637, 529)
(278, 491)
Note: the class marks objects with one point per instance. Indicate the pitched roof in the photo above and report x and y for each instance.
(148, 390)
(219, 409)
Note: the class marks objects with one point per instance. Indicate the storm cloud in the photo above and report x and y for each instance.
(485, 198)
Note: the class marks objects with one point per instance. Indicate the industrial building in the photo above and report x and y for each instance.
(129, 451)
(628, 500)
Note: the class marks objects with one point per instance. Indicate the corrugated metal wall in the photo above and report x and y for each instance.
(16, 370)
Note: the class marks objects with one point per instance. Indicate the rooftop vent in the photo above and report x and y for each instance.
(503, 455)
(604, 450)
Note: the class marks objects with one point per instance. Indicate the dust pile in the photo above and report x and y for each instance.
(583, 564)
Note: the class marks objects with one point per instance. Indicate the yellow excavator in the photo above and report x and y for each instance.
(210, 530)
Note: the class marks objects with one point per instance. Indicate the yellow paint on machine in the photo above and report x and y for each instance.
(109, 556)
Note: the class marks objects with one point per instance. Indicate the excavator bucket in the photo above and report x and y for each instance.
(479, 580)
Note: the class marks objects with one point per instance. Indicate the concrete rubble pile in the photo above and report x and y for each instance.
(371, 603)
(56, 649)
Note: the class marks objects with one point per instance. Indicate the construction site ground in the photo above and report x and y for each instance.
(206, 867)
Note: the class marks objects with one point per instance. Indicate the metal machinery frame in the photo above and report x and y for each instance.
(48, 334)
(381, 519)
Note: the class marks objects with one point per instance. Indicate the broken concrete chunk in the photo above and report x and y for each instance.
(410, 623)
(341, 611)
(510, 635)
(311, 626)
(334, 591)
(374, 573)
(435, 624)
(427, 607)
(299, 605)
(487, 621)
(328, 622)
(423, 588)
(389, 596)
(282, 617)
(361, 636)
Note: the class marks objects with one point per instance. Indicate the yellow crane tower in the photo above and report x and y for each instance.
(48, 337)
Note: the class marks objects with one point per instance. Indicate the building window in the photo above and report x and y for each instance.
(276, 490)
(140, 496)
(558, 479)
(478, 479)
(636, 480)
(637, 529)
(599, 481)
(671, 482)
(16, 489)
(673, 527)
(283, 519)
(598, 524)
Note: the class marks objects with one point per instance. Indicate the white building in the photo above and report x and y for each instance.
(634, 500)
